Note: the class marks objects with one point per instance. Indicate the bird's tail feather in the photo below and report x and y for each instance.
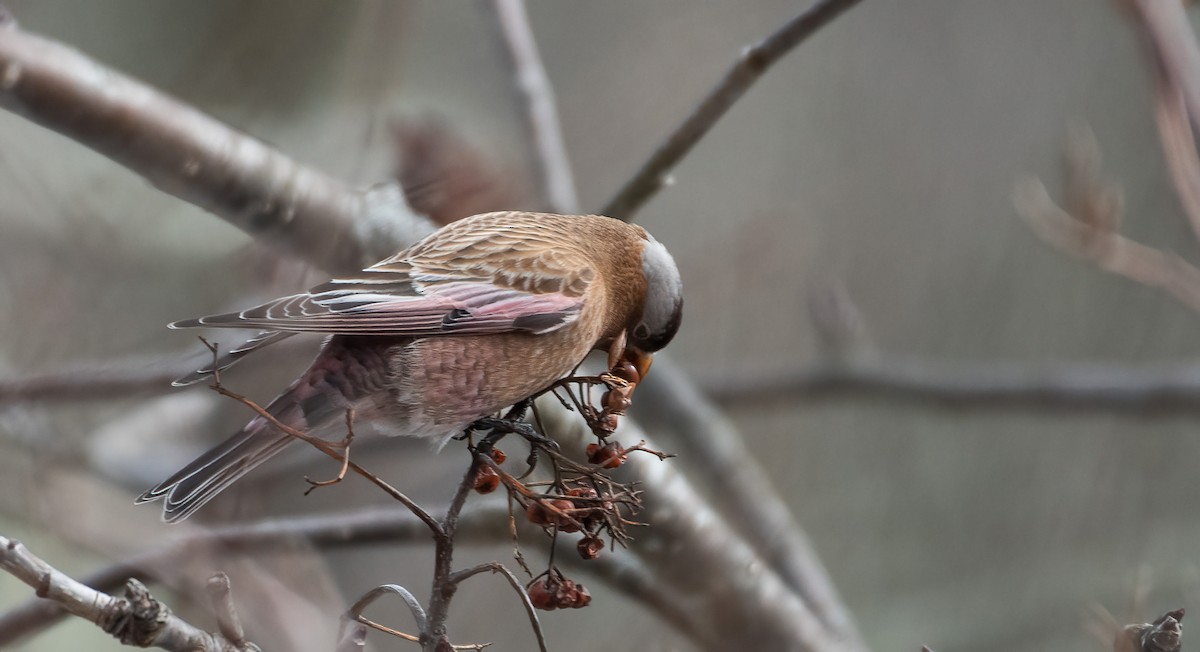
(206, 476)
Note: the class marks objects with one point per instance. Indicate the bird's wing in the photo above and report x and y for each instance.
(229, 358)
(487, 279)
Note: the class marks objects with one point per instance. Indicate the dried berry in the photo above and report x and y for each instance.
(537, 514)
(609, 456)
(486, 480)
(564, 521)
(554, 591)
(541, 595)
(581, 598)
(498, 456)
(590, 547)
(626, 372)
(604, 425)
(615, 401)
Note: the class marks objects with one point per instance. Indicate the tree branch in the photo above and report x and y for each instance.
(137, 619)
(541, 112)
(198, 159)
(742, 493)
(1084, 386)
(753, 62)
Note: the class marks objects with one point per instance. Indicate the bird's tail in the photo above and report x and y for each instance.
(302, 407)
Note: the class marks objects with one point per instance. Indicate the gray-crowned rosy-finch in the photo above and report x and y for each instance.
(478, 316)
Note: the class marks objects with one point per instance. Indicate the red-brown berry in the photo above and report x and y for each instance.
(541, 595)
(498, 456)
(537, 514)
(626, 372)
(609, 456)
(615, 401)
(604, 425)
(486, 480)
(590, 547)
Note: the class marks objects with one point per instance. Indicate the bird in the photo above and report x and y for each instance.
(478, 316)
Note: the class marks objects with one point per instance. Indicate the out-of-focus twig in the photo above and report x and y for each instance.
(119, 380)
(558, 184)
(1087, 226)
(1065, 386)
(753, 62)
(190, 155)
(137, 619)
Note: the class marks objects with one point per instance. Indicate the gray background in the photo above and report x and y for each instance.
(882, 153)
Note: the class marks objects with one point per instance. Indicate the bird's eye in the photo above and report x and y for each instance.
(641, 331)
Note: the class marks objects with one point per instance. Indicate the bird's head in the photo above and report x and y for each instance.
(662, 307)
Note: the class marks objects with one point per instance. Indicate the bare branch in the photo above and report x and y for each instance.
(558, 185)
(410, 600)
(1175, 59)
(483, 523)
(190, 155)
(1081, 386)
(137, 619)
(515, 583)
(92, 382)
(753, 62)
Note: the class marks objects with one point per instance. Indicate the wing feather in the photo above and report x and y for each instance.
(493, 273)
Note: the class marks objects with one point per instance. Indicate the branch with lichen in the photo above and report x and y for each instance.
(136, 619)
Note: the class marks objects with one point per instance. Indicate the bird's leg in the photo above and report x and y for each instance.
(510, 423)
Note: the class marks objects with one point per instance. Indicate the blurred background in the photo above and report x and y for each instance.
(877, 161)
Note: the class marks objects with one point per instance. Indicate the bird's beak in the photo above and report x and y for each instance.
(639, 359)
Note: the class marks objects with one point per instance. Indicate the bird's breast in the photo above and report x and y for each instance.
(445, 383)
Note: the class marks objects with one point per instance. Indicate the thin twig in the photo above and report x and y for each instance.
(515, 583)
(545, 130)
(410, 600)
(137, 619)
(330, 449)
(753, 62)
(442, 591)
